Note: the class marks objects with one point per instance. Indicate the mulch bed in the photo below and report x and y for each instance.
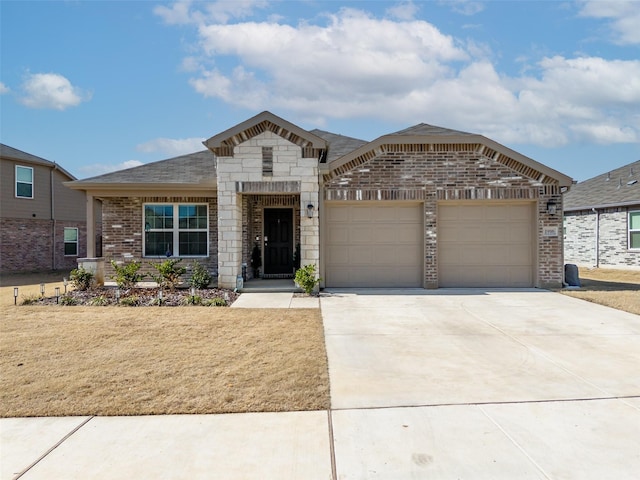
(138, 297)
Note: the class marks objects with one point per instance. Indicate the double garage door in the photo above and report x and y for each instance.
(480, 244)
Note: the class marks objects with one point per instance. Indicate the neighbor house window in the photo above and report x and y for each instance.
(70, 242)
(24, 182)
(180, 230)
(634, 230)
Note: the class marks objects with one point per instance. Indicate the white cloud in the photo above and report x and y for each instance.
(403, 11)
(464, 7)
(172, 147)
(182, 13)
(355, 65)
(101, 168)
(624, 16)
(51, 90)
(4, 89)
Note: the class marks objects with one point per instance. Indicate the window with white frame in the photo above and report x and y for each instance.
(634, 230)
(70, 242)
(24, 182)
(180, 230)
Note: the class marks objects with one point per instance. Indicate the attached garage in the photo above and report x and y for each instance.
(374, 244)
(486, 244)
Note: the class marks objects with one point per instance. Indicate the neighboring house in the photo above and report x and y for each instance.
(602, 220)
(42, 222)
(423, 207)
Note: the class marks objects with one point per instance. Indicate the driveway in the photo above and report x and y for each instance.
(501, 384)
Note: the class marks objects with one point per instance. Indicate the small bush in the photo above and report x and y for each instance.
(68, 300)
(131, 301)
(81, 278)
(127, 274)
(216, 302)
(306, 278)
(169, 273)
(192, 300)
(100, 301)
(30, 299)
(200, 277)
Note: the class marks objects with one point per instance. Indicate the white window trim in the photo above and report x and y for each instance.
(630, 230)
(176, 230)
(15, 186)
(77, 242)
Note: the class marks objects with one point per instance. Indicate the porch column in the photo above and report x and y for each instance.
(91, 228)
(229, 235)
(309, 227)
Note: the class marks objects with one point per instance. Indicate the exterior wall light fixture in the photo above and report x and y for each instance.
(310, 210)
(552, 207)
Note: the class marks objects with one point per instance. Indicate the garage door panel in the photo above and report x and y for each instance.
(384, 246)
(486, 244)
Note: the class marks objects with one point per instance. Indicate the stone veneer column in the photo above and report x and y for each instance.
(229, 235)
(309, 227)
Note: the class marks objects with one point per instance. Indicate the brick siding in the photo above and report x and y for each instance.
(439, 176)
(613, 251)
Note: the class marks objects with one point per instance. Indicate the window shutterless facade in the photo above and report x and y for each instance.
(70, 242)
(24, 182)
(634, 230)
(177, 229)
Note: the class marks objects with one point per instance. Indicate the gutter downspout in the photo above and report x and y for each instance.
(53, 221)
(597, 265)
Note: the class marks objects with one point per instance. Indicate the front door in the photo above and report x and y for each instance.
(278, 241)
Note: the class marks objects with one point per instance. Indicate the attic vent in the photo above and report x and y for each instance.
(267, 161)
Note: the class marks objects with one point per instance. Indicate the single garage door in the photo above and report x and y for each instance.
(486, 244)
(373, 244)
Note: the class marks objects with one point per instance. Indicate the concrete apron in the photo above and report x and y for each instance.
(557, 363)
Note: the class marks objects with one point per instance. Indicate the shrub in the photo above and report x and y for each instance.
(81, 278)
(169, 273)
(200, 278)
(306, 278)
(192, 300)
(68, 300)
(216, 302)
(127, 274)
(29, 299)
(131, 301)
(100, 301)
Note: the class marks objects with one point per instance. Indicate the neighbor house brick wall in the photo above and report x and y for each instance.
(434, 177)
(123, 231)
(27, 245)
(613, 251)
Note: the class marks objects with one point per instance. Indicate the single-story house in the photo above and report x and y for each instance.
(424, 207)
(42, 222)
(602, 220)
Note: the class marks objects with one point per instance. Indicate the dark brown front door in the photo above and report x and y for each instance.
(278, 241)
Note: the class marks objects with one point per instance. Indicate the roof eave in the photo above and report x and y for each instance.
(130, 189)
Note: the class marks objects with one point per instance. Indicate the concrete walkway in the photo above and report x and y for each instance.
(442, 385)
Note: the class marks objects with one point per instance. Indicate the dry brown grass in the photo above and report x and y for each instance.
(136, 361)
(618, 289)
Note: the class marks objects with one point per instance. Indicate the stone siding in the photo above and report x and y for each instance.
(244, 171)
(436, 176)
(123, 232)
(612, 251)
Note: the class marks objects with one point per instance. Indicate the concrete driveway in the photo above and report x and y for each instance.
(446, 384)
(482, 384)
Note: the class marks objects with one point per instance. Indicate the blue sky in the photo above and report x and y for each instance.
(103, 85)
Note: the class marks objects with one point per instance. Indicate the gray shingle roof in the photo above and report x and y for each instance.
(426, 129)
(614, 188)
(339, 145)
(194, 168)
(18, 155)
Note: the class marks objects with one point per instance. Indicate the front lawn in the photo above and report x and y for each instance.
(618, 289)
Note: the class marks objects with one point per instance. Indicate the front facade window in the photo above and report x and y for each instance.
(70, 242)
(24, 182)
(634, 230)
(180, 230)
